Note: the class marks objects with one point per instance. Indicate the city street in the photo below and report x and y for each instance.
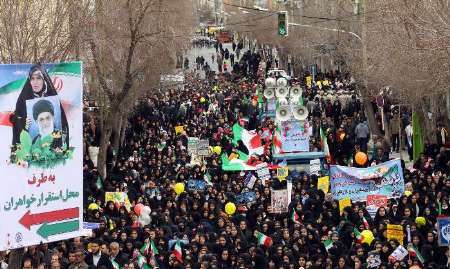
(326, 145)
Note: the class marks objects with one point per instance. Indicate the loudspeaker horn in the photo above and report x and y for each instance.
(296, 92)
(283, 113)
(282, 82)
(282, 92)
(269, 93)
(300, 113)
(270, 83)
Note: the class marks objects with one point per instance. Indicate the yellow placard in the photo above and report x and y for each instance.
(395, 232)
(319, 84)
(343, 203)
(118, 198)
(179, 129)
(323, 183)
(308, 81)
(282, 172)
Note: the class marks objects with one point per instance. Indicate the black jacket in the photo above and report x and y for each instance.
(104, 261)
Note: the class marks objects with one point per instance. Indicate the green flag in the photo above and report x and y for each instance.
(417, 137)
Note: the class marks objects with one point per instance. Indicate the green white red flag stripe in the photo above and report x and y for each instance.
(177, 251)
(358, 235)
(264, 240)
(414, 252)
(294, 217)
(328, 244)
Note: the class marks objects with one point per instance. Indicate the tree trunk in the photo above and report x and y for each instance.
(15, 258)
(122, 131)
(370, 114)
(104, 141)
(116, 134)
(427, 126)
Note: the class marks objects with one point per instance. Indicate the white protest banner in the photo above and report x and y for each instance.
(41, 153)
(249, 180)
(192, 145)
(203, 147)
(399, 254)
(263, 171)
(314, 167)
(279, 201)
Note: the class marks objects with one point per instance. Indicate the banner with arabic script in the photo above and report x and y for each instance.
(41, 153)
(294, 136)
(356, 183)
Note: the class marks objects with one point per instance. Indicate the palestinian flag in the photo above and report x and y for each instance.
(294, 217)
(250, 139)
(414, 252)
(366, 223)
(177, 251)
(324, 144)
(264, 240)
(4, 118)
(358, 235)
(239, 162)
(328, 244)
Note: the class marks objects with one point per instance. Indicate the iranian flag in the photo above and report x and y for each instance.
(207, 178)
(250, 139)
(149, 248)
(366, 223)
(414, 252)
(178, 252)
(236, 162)
(328, 244)
(358, 235)
(153, 248)
(324, 144)
(142, 262)
(294, 217)
(264, 240)
(276, 141)
(66, 78)
(145, 249)
(115, 264)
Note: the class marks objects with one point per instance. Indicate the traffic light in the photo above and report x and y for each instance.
(282, 23)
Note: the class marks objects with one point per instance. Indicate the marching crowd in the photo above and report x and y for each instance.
(191, 230)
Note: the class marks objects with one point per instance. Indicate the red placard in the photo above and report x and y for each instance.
(377, 200)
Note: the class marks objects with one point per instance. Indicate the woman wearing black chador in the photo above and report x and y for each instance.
(37, 85)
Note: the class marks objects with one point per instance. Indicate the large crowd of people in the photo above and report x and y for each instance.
(191, 230)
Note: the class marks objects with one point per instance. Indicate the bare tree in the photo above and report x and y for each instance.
(131, 45)
(400, 44)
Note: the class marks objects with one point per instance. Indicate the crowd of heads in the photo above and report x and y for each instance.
(152, 158)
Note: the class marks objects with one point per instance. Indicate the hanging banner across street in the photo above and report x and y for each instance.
(41, 153)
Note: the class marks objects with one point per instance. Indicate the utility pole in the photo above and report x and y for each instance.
(216, 12)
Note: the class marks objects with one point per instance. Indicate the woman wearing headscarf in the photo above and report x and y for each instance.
(37, 85)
